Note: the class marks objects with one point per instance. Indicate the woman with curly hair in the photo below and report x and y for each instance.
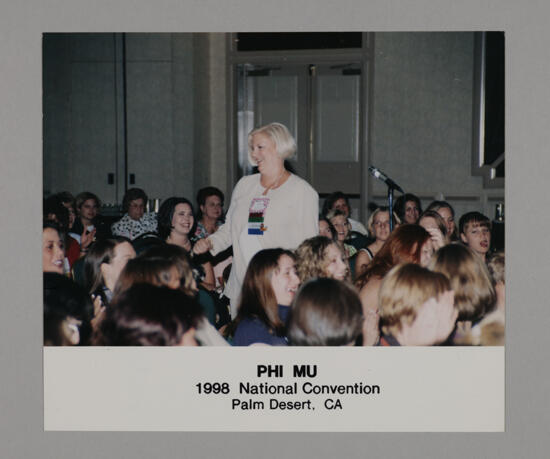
(320, 256)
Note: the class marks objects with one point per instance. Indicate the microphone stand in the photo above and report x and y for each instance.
(390, 206)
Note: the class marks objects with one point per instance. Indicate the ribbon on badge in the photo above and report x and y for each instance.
(256, 215)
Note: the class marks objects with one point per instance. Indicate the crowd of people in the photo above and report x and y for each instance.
(271, 270)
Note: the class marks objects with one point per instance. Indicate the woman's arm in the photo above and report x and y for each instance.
(209, 281)
(223, 237)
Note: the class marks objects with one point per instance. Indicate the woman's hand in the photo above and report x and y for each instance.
(99, 311)
(437, 237)
(86, 238)
(202, 246)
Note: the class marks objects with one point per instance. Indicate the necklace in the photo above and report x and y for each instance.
(275, 183)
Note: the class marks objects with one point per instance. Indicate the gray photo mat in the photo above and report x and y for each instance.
(527, 128)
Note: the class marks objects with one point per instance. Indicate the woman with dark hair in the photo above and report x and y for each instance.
(102, 266)
(146, 315)
(343, 228)
(326, 228)
(67, 312)
(135, 221)
(406, 244)
(53, 248)
(165, 265)
(168, 265)
(55, 210)
(408, 208)
(274, 208)
(447, 213)
(210, 215)
(176, 225)
(269, 286)
(325, 312)
(339, 200)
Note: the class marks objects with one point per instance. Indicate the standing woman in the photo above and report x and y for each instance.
(176, 225)
(271, 209)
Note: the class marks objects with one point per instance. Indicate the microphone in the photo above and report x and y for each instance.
(381, 176)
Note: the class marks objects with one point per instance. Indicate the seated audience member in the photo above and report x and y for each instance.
(88, 224)
(326, 229)
(416, 307)
(168, 266)
(408, 208)
(406, 244)
(432, 222)
(471, 283)
(339, 200)
(325, 312)
(447, 213)
(210, 217)
(102, 266)
(491, 330)
(67, 199)
(475, 232)
(135, 221)
(269, 286)
(146, 315)
(320, 257)
(342, 226)
(55, 211)
(67, 312)
(379, 227)
(53, 248)
(176, 225)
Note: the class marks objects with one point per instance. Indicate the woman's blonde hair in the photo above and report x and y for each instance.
(370, 221)
(496, 267)
(281, 137)
(470, 280)
(311, 259)
(403, 291)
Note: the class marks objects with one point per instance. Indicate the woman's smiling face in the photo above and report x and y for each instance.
(263, 152)
(285, 281)
(183, 219)
(53, 251)
(341, 225)
(336, 268)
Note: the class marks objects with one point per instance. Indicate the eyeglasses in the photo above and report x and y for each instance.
(380, 224)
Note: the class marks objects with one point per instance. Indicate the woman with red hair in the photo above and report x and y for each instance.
(406, 244)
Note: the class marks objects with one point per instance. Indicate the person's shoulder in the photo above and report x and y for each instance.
(246, 182)
(300, 183)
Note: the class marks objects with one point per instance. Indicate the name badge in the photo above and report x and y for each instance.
(256, 215)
